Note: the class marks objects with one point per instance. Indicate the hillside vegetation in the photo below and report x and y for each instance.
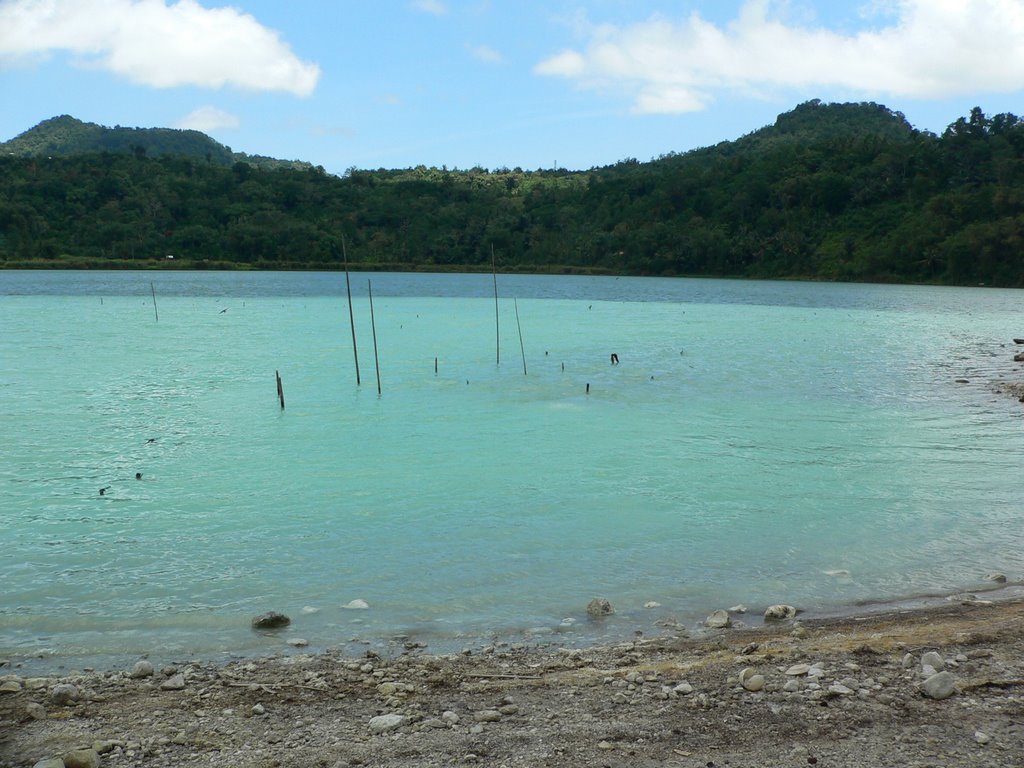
(830, 191)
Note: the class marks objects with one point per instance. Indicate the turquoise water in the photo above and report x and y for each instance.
(754, 438)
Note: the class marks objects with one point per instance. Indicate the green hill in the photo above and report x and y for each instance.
(66, 136)
(828, 192)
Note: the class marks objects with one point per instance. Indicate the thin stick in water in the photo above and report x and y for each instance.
(373, 327)
(351, 316)
(522, 351)
(497, 335)
(280, 389)
(155, 313)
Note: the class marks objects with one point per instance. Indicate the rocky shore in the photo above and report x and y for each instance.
(911, 688)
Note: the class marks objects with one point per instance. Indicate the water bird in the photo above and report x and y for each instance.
(224, 310)
(151, 440)
(103, 490)
(138, 475)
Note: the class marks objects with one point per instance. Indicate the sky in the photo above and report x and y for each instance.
(497, 83)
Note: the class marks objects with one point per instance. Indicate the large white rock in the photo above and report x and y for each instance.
(941, 685)
(385, 723)
(779, 612)
(718, 620)
(356, 605)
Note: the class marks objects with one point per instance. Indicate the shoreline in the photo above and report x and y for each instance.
(831, 691)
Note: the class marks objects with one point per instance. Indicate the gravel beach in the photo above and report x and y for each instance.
(941, 686)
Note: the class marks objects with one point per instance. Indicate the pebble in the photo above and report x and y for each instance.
(798, 669)
(791, 686)
(605, 745)
(599, 607)
(258, 709)
(385, 723)
(10, 686)
(839, 689)
(356, 605)
(933, 660)
(297, 642)
(63, 694)
(141, 669)
(751, 681)
(981, 737)
(683, 688)
(998, 578)
(941, 685)
(174, 683)
(487, 716)
(82, 758)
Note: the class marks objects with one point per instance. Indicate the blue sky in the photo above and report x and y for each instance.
(400, 83)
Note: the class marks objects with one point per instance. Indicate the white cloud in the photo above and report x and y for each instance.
(486, 53)
(157, 44)
(918, 49)
(208, 119)
(435, 7)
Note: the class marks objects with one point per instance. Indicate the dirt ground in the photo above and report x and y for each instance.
(827, 693)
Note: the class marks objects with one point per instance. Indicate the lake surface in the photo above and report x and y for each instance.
(759, 442)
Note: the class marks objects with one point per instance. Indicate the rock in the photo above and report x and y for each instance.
(175, 683)
(933, 660)
(791, 686)
(839, 689)
(487, 716)
(82, 758)
(750, 680)
(718, 620)
(309, 609)
(908, 661)
(683, 689)
(385, 723)
(356, 605)
(387, 689)
(63, 694)
(605, 745)
(270, 620)
(941, 685)
(103, 747)
(10, 686)
(738, 609)
(652, 604)
(779, 612)
(798, 669)
(435, 722)
(981, 737)
(450, 717)
(35, 711)
(258, 709)
(53, 762)
(141, 669)
(599, 607)
(998, 578)
(297, 642)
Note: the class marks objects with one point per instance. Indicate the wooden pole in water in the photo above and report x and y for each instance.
(373, 327)
(351, 316)
(155, 313)
(280, 389)
(522, 351)
(435, 366)
(497, 335)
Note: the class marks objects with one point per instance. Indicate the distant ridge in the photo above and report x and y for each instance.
(66, 136)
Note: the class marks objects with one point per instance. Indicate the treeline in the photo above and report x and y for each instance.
(830, 191)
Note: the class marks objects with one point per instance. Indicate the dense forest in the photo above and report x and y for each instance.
(830, 191)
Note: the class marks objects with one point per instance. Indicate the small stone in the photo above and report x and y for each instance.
(35, 711)
(104, 747)
(998, 578)
(141, 669)
(908, 661)
(683, 689)
(387, 689)
(933, 660)
(270, 620)
(738, 609)
(356, 605)
(599, 607)
(605, 745)
(718, 620)
(779, 612)
(791, 686)
(750, 680)
(10, 686)
(798, 669)
(509, 709)
(297, 642)
(652, 604)
(385, 723)
(435, 722)
(941, 685)
(982, 738)
(63, 694)
(174, 683)
(839, 689)
(487, 716)
(258, 709)
(82, 758)
(450, 717)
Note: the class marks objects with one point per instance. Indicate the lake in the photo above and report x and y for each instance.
(758, 442)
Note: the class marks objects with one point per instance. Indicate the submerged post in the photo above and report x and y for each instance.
(153, 291)
(351, 317)
(497, 335)
(280, 389)
(522, 351)
(373, 327)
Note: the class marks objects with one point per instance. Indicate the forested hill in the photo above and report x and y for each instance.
(830, 191)
(66, 136)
